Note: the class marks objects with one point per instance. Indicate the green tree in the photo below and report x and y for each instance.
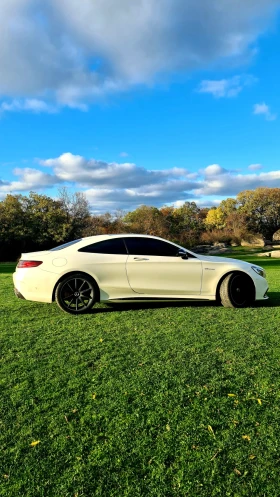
(13, 226)
(262, 210)
(228, 206)
(148, 220)
(77, 212)
(105, 223)
(30, 223)
(46, 219)
(188, 224)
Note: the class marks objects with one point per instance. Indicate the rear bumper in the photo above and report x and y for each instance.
(34, 284)
(18, 294)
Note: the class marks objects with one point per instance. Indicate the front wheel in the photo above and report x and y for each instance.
(76, 293)
(237, 290)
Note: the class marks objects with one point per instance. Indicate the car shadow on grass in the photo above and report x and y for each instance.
(273, 301)
(104, 308)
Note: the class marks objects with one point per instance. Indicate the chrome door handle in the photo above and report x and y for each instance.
(140, 259)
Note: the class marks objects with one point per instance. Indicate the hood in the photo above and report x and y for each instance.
(228, 260)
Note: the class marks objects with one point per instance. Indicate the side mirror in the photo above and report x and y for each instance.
(182, 254)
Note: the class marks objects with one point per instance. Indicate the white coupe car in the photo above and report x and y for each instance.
(127, 268)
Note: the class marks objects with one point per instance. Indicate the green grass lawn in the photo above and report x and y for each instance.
(154, 401)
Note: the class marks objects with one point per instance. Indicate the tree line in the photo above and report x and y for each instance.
(38, 222)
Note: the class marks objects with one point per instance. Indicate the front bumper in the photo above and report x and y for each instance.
(261, 288)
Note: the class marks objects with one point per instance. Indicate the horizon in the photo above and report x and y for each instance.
(139, 105)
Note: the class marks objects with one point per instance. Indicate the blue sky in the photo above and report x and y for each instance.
(139, 101)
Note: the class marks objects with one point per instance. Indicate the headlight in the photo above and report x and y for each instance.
(259, 270)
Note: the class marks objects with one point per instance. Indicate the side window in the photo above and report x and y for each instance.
(114, 246)
(150, 246)
(65, 245)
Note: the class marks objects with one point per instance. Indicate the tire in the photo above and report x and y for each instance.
(237, 290)
(76, 293)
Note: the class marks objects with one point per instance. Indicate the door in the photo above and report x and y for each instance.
(154, 268)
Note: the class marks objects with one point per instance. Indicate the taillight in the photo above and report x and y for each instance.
(26, 264)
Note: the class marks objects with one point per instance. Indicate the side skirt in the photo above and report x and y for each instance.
(156, 299)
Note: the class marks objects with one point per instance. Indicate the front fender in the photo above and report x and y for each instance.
(214, 274)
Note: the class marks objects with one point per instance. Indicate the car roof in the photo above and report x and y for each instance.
(118, 235)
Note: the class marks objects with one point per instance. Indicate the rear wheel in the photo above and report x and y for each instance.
(237, 290)
(76, 293)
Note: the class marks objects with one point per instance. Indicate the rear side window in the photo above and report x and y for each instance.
(115, 246)
(65, 245)
(150, 246)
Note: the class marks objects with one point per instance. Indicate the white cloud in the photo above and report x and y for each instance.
(226, 87)
(30, 179)
(71, 51)
(214, 170)
(29, 104)
(230, 184)
(263, 109)
(255, 167)
(85, 172)
(111, 186)
(156, 195)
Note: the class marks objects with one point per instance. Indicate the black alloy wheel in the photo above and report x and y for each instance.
(76, 293)
(237, 290)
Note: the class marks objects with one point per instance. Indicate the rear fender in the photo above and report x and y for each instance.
(75, 272)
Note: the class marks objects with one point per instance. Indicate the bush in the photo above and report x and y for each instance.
(219, 236)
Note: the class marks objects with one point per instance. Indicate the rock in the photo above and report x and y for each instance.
(274, 253)
(220, 244)
(202, 249)
(217, 250)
